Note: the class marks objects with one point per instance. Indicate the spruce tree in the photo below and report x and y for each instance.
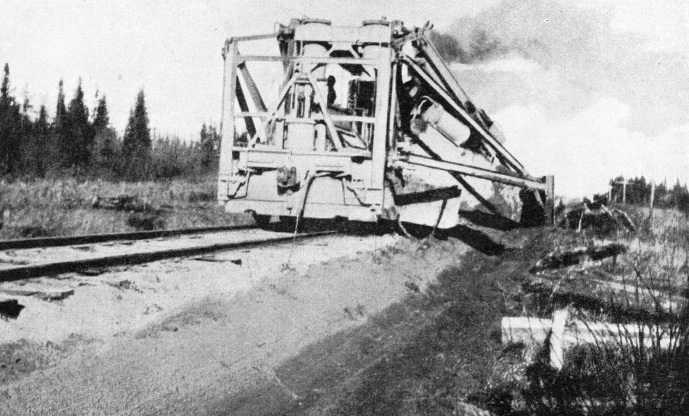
(104, 154)
(79, 130)
(10, 125)
(59, 138)
(60, 110)
(101, 118)
(42, 121)
(136, 145)
(209, 138)
(44, 149)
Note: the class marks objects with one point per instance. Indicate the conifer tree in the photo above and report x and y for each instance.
(59, 138)
(136, 144)
(60, 110)
(101, 118)
(10, 125)
(80, 135)
(42, 121)
(104, 154)
(209, 139)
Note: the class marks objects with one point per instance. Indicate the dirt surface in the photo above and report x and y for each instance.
(372, 325)
(190, 337)
(10, 259)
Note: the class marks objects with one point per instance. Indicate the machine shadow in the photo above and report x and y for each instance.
(483, 219)
(341, 225)
(475, 239)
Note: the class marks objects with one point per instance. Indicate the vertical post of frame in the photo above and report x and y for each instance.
(380, 135)
(227, 132)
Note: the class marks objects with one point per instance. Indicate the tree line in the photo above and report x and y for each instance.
(80, 142)
(639, 190)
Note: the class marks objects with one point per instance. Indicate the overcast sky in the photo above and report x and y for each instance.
(588, 89)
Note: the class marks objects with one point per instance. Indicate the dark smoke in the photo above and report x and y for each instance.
(480, 46)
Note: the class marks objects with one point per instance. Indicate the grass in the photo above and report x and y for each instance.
(441, 349)
(610, 376)
(57, 207)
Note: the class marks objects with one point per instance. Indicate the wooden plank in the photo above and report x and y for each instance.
(577, 332)
(525, 329)
(557, 335)
(43, 294)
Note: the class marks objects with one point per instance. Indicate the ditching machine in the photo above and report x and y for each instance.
(363, 123)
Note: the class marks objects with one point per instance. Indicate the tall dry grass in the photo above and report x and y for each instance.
(641, 372)
(55, 207)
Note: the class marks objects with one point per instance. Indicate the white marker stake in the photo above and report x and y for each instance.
(557, 334)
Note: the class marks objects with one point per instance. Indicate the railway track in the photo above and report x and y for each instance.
(24, 259)
(101, 238)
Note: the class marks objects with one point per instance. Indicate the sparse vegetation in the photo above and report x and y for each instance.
(50, 170)
(439, 352)
(64, 207)
(629, 375)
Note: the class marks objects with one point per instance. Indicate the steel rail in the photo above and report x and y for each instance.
(30, 271)
(102, 238)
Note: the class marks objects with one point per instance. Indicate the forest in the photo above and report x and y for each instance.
(80, 142)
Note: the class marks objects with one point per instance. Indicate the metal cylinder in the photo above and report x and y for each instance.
(316, 49)
(374, 50)
(450, 127)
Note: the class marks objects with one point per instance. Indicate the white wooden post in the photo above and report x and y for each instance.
(557, 335)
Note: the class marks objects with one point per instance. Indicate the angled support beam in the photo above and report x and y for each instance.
(324, 110)
(244, 107)
(281, 98)
(439, 65)
(490, 140)
(251, 86)
(475, 172)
